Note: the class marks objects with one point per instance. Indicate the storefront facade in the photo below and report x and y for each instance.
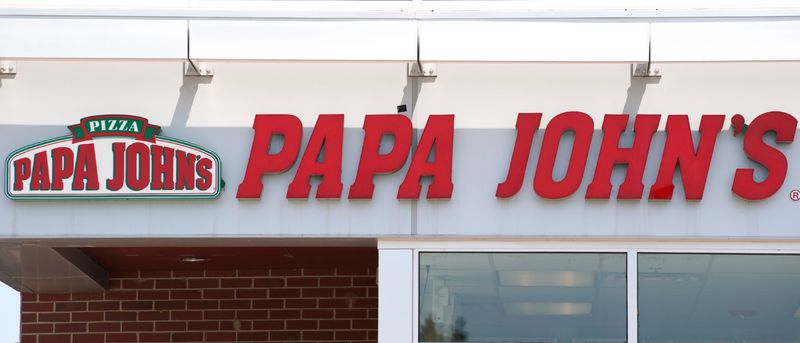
(275, 171)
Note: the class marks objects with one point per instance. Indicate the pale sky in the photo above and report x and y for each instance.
(9, 314)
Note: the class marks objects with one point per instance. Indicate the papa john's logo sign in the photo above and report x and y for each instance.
(112, 156)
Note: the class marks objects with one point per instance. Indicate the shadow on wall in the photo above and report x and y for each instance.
(636, 92)
(186, 95)
(6, 77)
(411, 93)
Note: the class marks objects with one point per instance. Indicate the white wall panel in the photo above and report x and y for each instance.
(329, 40)
(92, 38)
(711, 40)
(238, 90)
(61, 92)
(521, 40)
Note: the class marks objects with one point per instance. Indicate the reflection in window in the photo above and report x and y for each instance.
(702, 298)
(522, 297)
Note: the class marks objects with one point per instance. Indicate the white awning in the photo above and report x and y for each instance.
(726, 40)
(433, 30)
(92, 38)
(303, 39)
(533, 40)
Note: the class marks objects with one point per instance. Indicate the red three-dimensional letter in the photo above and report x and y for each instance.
(261, 161)
(583, 126)
(679, 151)
(438, 135)
(372, 161)
(327, 135)
(635, 156)
(527, 124)
(744, 183)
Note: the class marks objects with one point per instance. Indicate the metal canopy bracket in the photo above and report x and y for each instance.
(8, 67)
(418, 69)
(193, 68)
(645, 70)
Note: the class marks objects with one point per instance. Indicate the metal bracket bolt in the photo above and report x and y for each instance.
(191, 68)
(8, 67)
(645, 70)
(418, 69)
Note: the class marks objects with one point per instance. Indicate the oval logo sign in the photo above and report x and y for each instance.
(113, 156)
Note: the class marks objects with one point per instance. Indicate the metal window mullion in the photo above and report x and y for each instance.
(633, 296)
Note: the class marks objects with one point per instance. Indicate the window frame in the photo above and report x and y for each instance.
(632, 249)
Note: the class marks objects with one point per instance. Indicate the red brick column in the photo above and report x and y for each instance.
(277, 305)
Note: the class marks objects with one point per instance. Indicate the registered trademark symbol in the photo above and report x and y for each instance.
(794, 195)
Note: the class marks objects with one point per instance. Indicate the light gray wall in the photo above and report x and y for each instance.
(45, 97)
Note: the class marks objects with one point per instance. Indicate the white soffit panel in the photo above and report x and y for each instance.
(320, 40)
(533, 41)
(92, 38)
(692, 41)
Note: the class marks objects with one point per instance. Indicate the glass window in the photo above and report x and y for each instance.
(701, 298)
(522, 297)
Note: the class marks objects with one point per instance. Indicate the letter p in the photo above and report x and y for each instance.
(372, 162)
(261, 161)
(22, 171)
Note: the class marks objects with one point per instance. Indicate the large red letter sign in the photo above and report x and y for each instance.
(583, 126)
(679, 151)
(438, 134)
(261, 161)
(527, 124)
(744, 183)
(635, 156)
(327, 135)
(372, 161)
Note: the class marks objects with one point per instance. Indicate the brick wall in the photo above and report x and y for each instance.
(277, 305)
